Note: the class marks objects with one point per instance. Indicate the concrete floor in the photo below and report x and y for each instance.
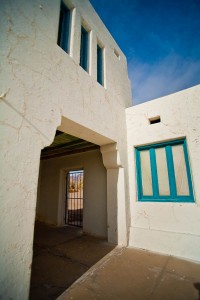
(128, 273)
(62, 255)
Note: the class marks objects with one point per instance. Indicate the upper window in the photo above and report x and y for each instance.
(163, 172)
(99, 65)
(64, 28)
(84, 53)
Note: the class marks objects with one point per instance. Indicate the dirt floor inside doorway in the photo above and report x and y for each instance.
(60, 257)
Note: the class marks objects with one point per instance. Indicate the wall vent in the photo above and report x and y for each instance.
(154, 120)
(117, 54)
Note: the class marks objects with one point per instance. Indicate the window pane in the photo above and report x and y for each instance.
(180, 170)
(146, 173)
(84, 49)
(64, 28)
(99, 64)
(163, 180)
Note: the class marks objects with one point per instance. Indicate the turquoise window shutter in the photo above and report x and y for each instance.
(174, 194)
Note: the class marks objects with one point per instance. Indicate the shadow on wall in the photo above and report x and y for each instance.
(197, 286)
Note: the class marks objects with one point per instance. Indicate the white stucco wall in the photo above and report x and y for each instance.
(40, 84)
(172, 228)
(52, 190)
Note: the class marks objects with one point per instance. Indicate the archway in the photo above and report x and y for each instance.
(65, 154)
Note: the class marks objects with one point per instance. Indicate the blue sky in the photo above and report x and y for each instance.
(161, 40)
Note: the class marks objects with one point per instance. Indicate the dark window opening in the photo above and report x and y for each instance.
(84, 49)
(99, 65)
(64, 28)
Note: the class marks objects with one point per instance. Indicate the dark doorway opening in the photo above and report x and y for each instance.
(70, 169)
(74, 198)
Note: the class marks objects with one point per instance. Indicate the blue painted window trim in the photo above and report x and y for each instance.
(64, 27)
(84, 49)
(99, 65)
(173, 197)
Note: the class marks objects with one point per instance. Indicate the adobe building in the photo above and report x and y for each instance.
(64, 83)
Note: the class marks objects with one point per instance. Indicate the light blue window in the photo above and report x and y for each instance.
(84, 49)
(64, 28)
(99, 65)
(163, 172)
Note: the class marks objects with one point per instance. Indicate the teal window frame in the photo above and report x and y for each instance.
(100, 65)
(84, 49)
(173, 197)
(64, 27)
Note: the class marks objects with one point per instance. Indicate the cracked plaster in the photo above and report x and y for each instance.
(40, 86)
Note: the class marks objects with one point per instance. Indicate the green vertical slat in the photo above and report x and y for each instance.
(154, 174)
(188, 170)
(139, 175)
(171, 173)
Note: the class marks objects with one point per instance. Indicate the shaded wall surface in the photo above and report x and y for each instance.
(52, 190)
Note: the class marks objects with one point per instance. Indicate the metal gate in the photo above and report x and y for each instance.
(74, 198)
